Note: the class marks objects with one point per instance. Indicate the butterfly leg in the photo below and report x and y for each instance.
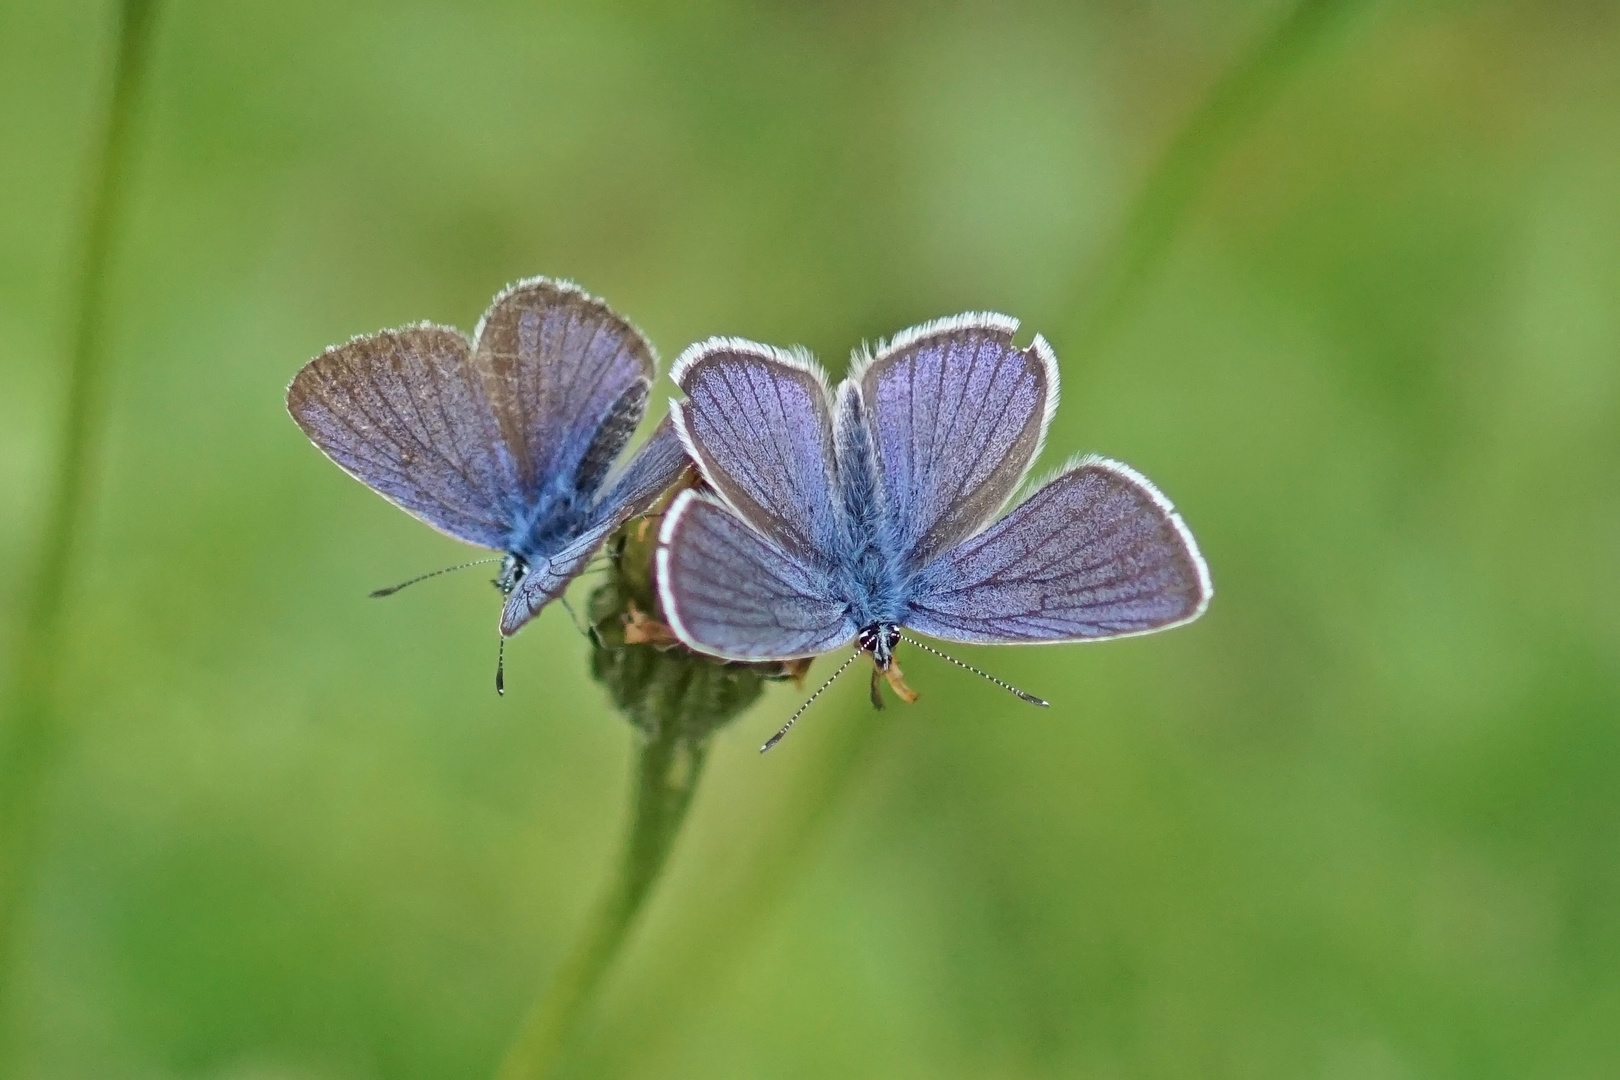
(642, 629)
(586, 630)
(897, 683)
(795, 670)
(877, 688)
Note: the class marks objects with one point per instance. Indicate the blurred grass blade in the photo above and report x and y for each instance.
(32, 725)
(1223, 117)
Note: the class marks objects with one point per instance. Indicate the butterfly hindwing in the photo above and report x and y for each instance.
(726, 587)
(651, 471)
(547, 578)
(1097, 552)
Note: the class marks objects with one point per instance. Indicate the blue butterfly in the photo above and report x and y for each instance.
(507, 441)
(856, 516)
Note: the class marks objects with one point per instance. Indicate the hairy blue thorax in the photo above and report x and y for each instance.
(559, 516)
(870, 573)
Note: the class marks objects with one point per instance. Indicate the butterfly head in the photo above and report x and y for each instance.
(879, 639)
(513, 571)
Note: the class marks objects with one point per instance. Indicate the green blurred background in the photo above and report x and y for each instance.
(1361, 821)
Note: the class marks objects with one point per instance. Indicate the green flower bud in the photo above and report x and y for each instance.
(665, 689)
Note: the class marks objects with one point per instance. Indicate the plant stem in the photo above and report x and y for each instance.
(696, 958)
(675, 700)
(665, 777)
(32, 729)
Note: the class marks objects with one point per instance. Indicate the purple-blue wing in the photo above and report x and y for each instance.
(1095, 553)
(757, 422)
(651, 471)
(406, 414)
(545, 581)
(957, 414)
(568, 378)
(725, 590)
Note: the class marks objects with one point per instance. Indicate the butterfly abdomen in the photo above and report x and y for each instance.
(872, 578)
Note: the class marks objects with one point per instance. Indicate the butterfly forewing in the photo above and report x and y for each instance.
(758, 424)
(562, 370)
(729, 591)
(406, 414)
(1095, 553)
(957, 415)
